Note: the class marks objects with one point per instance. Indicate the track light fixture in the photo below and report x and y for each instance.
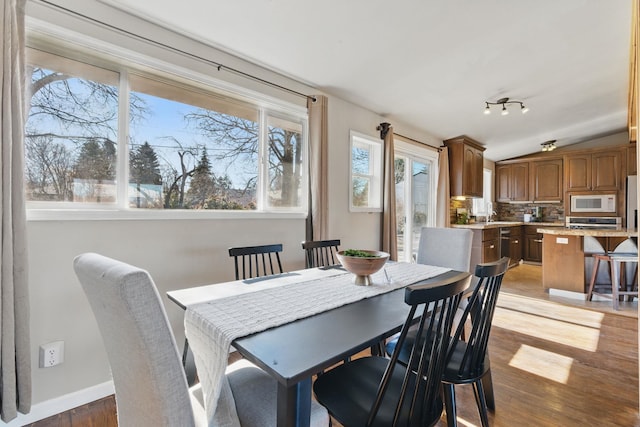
(504, 102)
(549, 145)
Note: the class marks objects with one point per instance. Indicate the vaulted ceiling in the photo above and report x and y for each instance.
(432, 64)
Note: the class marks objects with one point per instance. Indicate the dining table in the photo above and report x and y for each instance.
(295, 325)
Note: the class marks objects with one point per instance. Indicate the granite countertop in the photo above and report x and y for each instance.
(498, 224)
(596, 232)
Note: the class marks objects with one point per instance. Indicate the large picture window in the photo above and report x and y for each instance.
(97, 138)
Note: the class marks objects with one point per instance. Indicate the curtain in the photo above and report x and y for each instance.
(318, 171)
(443, 219)
(389, 228)
(15, 356)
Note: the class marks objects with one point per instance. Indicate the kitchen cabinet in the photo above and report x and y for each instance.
(532, 248)
(512, 182)
(485, 246)
(511, 244)
(632, 161)
(546, 180)
(599, 171)
(466, 162)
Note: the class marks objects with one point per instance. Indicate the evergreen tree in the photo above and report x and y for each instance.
(96, 161)
(144, 167)
(202, 186)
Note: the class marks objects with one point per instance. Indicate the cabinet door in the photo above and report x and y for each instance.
(578, 172)
(533, 247)
(515, 249)
(490, 250)
(520, 182)
(632, 161)
(546, 182)
(503, 183)
(605, 174)
(478, 172)
(472, 171)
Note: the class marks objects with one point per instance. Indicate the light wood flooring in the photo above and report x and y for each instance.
(555, 362)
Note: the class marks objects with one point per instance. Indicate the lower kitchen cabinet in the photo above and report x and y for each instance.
(485, 246)
(532, 244)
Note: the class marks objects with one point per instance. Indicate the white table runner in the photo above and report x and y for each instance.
(211, 326)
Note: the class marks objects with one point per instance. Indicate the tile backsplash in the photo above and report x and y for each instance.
(551, 212)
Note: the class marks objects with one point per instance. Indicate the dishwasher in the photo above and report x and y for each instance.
(505, 237)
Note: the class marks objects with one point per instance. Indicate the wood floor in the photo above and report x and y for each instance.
(555, 362)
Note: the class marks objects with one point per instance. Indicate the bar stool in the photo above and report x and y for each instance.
(617, 267)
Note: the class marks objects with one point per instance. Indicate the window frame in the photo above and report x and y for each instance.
(112, 58)
(487, 194)
(375, 175)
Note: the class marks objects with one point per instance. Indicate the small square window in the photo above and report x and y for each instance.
(365, 194)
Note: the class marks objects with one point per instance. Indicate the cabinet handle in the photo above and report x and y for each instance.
(537, 240)
(515, 241)
(492, 246)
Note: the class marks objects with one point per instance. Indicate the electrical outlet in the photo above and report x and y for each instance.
(51, 354)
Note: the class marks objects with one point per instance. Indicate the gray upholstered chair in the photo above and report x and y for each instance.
(446, 247)
(151, 387)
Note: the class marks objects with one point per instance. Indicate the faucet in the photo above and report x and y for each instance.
(490, 211)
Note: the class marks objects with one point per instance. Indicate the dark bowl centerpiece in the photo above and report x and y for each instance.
(362, 263)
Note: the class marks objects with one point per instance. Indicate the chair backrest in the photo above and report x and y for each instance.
(419, 402)
(445, 247)
(256, 261)
(320, 253)
(150, 384)
(480, 308)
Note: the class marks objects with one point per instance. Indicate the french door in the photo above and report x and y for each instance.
(415, 177)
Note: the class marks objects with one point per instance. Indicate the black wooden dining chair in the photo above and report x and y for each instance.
(256, 261)
(467, 358)
(320, 253)
(377, 391)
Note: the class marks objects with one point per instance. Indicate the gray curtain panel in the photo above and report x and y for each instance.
(15, 358)
(443, 218)
(389, 228)
(318, 169)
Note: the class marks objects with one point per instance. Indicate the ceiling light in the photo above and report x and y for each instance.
(504, 102)
(549, 145)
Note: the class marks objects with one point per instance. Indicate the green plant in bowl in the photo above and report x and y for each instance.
(362, 263)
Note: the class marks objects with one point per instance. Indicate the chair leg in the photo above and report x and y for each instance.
(450, 404)
(480, 401)
(594, 274)
(487, 385)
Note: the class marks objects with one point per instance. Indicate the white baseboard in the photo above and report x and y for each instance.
(567, 294)
(63, 403)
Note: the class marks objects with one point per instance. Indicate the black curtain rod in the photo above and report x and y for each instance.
(419, 142)
(218, 65)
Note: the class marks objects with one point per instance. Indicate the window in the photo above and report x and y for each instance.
(366, 174)
(131, 140)
(480, 205)
(415, 178)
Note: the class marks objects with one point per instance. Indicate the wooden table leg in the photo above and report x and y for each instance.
(294, 404)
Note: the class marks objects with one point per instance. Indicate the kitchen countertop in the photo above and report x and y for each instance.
(498, 224)
(596, 232)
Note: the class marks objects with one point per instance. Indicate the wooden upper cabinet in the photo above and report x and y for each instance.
(632, 161)
(546, 180)
(512, 182)
(466, 162)
(594, 172)
(578, 172)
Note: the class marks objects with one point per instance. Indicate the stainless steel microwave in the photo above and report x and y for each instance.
(593, 203)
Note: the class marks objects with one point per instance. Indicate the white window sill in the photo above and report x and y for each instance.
(149, 215)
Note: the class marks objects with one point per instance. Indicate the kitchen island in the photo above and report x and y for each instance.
(563, 255)
(516, 239)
